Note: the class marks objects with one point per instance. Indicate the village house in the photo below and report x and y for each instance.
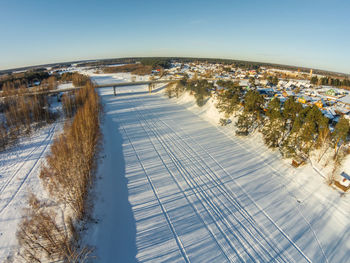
(344, 182)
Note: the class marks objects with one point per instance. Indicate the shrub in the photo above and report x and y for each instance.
(67, 175)
(68, 171)
(43, 238)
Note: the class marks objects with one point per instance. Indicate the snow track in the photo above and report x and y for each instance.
(246, 238)
(178, 241)
(38, 151)
(195, 194)
(19, 171)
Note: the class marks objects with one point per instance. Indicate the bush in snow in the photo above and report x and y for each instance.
(67, 175)
(70, 165)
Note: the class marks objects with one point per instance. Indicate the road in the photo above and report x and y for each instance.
(174, 188)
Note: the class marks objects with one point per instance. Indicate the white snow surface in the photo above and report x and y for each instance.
(67, 85)
(19, 175)
(174, 187)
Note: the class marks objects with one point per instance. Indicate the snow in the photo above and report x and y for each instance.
(19, 175)
(107, 78)
(63, 86)
(175, 187)
(208, 112)
(345, 99)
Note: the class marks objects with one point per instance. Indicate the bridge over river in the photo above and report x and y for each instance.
(150, 83)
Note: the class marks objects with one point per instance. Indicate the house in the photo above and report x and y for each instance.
(344, 182)
(341, 111)
(266, 92)
(319, 104)
(302, 100)
(346, 100)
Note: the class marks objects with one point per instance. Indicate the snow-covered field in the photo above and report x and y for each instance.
(176, 188)
(19, 175)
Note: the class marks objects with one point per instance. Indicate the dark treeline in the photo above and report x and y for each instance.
(137, 69)
(156, 63)
(164, 62)
(47, 233)
(20, 86)
(330, 81)
(161, 60)
(22, 113)
(26, 78)
(20, 110)
(237, 63)
(255, 65)
(144, 68)
(106, 62)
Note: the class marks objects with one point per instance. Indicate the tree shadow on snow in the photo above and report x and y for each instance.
(115, 234)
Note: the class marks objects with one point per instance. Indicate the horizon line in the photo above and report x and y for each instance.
(171, 57)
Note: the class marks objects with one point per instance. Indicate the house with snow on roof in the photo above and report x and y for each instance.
(344, 182)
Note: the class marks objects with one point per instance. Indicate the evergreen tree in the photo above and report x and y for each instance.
(274, 126)
(291, 109)
(340, 133)
(229, 99)
(251, 117)
(252, 81)
(244, 123)
(201, 90)
(275, 81)
(314, 80)
(274, 109)
(253, 102)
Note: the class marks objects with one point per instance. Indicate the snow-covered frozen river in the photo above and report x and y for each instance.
(175, 188)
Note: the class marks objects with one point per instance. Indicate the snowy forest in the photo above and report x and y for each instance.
(295, 130)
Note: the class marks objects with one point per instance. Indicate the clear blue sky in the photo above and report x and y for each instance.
(312, 33)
